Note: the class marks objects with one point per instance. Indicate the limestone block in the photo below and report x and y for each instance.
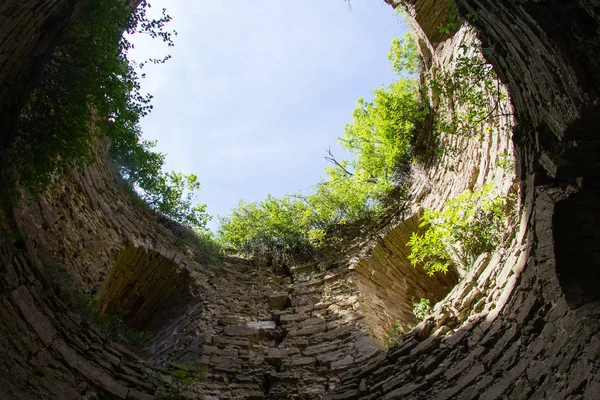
(304, 362)
(293, 318)
(322, 348)
(309, 330)
(245, 331)
(227, 364)
(311, 321)
(262, 325)
(274, 357)
(278, 301)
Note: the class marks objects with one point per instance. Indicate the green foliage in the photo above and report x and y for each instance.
(451, 22)
(468, 226)
(206, 243)
(381, 133)
(271, 225)
(188, 373)
(88, 91)
(422, 309)
(296, 225)
(472, 94)
(505, 162)
(172, 194)
(378, 138)
(293, 225)
(394, 335)
(404, 55)
(88, 80)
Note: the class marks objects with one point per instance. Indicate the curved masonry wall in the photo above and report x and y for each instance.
(507, 330)
(524, 323)
(388, 284)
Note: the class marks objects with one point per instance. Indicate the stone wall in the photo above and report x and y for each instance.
(264, 337)
(389, 284)
(50, 352)
(226, 316)
(523, 323)
(88, 228)
(87, 220)
(28, 33)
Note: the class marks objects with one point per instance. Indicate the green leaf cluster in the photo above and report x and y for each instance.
(472, 94)
(450, 15)
(294, 225)
(89, 91)
(404, 55)
(395, 334)
(379, 141)
(469, 225)
(381, 133)
(189, 372)
(421, 309)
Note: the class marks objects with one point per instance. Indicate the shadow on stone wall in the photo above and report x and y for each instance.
(389, 284)
(145, 287)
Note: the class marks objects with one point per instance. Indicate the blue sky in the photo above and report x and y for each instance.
(256, 92)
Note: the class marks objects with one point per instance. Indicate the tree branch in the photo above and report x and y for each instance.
(335, 162)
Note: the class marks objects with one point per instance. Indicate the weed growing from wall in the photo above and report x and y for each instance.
(421, 309)
(506, 162)
(472, 94)
(469, 225)
(394, 335)
(189, 372)
(450, 16)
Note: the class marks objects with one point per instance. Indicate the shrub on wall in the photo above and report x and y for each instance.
(468, 226)
(89, 91)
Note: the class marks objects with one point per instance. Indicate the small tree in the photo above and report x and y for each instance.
(90, 91)
(468, 226)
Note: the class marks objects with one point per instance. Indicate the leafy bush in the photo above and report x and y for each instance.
(379, 139)
(188, 373)
(468, 226)
(472, 94)
(404, 55)
(451, 22)
(381, 133)
(422, 309)
(506, 162)
(89, 91)
(394, 334)
(293, 226)
(206, 243)
(274, 225)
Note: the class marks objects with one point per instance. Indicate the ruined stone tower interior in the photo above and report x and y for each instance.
(522, 323)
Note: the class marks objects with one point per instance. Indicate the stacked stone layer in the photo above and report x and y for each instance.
(523, 324)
